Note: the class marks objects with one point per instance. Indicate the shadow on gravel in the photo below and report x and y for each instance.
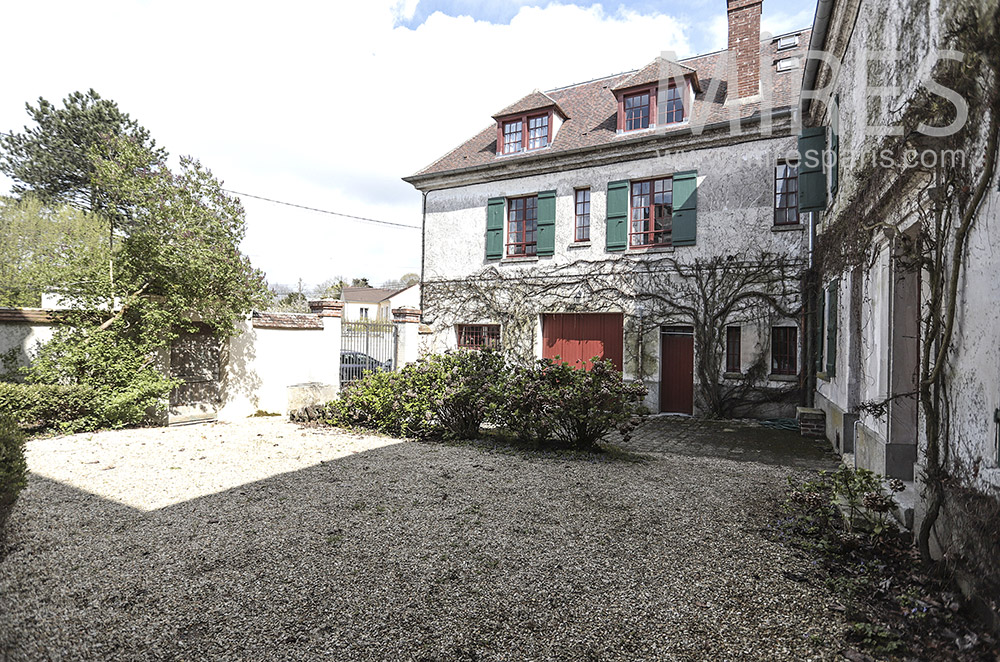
(733, 440)
(420, 552)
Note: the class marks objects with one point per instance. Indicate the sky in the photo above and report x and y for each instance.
(329, 104)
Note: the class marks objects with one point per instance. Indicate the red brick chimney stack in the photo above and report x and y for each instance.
(744, 48)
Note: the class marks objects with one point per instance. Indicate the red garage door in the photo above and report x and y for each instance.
(576, 339)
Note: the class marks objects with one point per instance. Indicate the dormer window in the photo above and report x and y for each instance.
(671, 106)
(658, 95)
(512, 141)
(538, 131)
(637, 111)
(525, 133)
(530, 124)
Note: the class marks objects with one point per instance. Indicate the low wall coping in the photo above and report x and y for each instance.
(327, 307)
(267, 320)
(410, 315)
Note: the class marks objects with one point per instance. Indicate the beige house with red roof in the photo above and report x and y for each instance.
(649, 217)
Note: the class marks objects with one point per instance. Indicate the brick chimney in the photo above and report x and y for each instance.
(744, 48)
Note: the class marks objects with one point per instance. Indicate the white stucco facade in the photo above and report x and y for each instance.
(735, 207)
(881, 302)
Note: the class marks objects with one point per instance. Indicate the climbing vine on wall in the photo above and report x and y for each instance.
(946, 198)
(752, 287)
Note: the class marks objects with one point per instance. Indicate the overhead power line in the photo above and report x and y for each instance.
(323, 211)
(293, 204)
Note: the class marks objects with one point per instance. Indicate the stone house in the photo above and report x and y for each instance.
(648, 217)
(872, 303)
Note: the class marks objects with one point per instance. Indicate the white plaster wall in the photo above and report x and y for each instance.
(408, 298)
(735, 209)
(352, 311)
(25, 338)
(975, 367)
(263, 363)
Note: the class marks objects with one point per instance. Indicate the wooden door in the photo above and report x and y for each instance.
(577, 338)
(677, 370)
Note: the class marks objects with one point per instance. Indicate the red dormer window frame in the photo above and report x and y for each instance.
(654, 112)
(524, 118)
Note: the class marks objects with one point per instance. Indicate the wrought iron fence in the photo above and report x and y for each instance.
(367, 346)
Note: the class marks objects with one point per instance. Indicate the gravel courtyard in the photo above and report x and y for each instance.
(266, 541)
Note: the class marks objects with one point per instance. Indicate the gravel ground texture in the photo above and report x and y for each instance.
(261, 540)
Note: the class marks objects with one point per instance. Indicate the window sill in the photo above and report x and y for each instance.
(651, 249)
(732, 375)
(782, 378)
(788, 227)
(579, 244)
(535, 150)
(519, 258)
(822, 376)
(652, 128)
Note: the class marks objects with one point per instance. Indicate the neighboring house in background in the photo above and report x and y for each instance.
(589, 220)
(373, 303)
(869, 327)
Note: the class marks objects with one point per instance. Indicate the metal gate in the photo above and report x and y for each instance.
(367, 346)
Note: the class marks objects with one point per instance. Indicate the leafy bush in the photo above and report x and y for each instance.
(575, 408)
(450, 394)
(463, 389)
(453, 394)
(868, 505)
(77, 408)
(388, 402)
(529, 403)
(855, 502)
(13, 470)
(67, 408)
(84, 379)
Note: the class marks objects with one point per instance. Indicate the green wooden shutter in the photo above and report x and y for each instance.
(835, 148)
(494, 228)
(820, 315)
(812, 179)
(546, 223)
(685, 215)
(617, 220)
(831, 328)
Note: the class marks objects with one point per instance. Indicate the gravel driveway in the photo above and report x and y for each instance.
(265, 541)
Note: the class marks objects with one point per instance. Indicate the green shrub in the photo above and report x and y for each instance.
(13, 470)
(385, 402)
(453, 394)
(76, 408)
(529, 404)
(574, 408)
(449, 394)
(112, 377)
(36, 406)
(463, 389)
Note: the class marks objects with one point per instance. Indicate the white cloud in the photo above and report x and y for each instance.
(782, 22)
(323, 104)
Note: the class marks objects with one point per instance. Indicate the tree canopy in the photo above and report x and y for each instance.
(45, 248)
(52, 158)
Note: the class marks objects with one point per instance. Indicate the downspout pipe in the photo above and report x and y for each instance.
(423, 249)
(821, 25)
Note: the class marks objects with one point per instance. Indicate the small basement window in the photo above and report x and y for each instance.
(788, 63)
(478, 336)
(791, 41)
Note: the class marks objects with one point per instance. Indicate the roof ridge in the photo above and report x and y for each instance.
(592, 80)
